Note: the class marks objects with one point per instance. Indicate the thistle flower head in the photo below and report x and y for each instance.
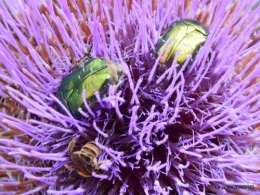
(192, 129)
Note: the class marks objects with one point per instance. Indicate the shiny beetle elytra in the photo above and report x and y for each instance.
(94, 75)
(187, 36)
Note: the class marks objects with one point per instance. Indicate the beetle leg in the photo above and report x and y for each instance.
(72, 145)
(85, 58)
(89, 51)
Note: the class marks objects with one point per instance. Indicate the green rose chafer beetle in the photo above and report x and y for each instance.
(94, 75)
(187, 36)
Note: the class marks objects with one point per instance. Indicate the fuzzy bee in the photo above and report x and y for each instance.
(85, 160)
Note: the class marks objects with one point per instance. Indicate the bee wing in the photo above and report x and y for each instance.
(83, 167)
(69, 167)
(72, 145)
(83, 172)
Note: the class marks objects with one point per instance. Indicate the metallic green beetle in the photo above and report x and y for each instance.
(94, 75)
(187, 36)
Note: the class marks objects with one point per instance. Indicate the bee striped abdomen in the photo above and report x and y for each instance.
(85, 160)
(91, 148)
(87, 157)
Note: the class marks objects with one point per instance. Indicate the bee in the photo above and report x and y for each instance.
(85, 160)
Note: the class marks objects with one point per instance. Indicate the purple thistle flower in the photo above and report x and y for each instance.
(190, 130)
